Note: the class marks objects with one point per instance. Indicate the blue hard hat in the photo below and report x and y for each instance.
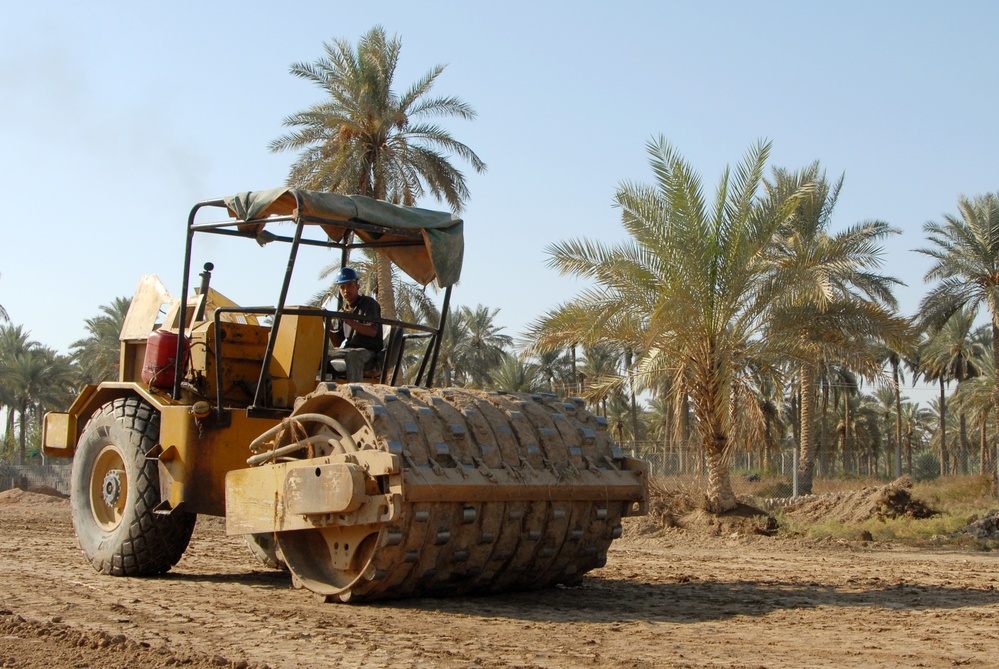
(344, 275)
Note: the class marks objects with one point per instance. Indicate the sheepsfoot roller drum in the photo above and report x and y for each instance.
(373, 492)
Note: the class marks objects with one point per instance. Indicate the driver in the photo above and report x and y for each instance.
(358, 341)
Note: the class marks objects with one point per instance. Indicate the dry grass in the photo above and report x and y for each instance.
(958, 501)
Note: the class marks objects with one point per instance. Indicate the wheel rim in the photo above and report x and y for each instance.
(329, 560)
(108, 488)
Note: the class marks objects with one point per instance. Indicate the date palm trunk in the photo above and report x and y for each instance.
(386, 289)
(995, 356)
(943, 429)
(898, 418)
(806, 462)
(721, 498)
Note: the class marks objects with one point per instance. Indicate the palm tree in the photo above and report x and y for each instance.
(953, 354)
(916, 422)
(14, 341)
(622, 422)
(883, 401)
(965, 250)
(687, 290)
(554, 370)
(36, 379)
(485, 345)
(770, 400)
(472, 347)
(894, 360)
(514, 374)
(601, 362)
(836, 303)
(98, 353)
(942, 440)
(367, 139)
(974, 399)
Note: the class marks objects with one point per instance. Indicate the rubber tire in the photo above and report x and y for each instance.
(142, 543)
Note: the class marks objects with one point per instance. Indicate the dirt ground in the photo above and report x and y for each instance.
(673, 598)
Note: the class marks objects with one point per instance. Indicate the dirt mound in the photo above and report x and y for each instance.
(684, 509)
(47, 490)
(986, 527)
(34, 498)
(882, 503)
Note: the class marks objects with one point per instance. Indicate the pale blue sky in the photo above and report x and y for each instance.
(116, 117)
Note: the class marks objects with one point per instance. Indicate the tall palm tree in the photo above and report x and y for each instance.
(37, 379)
(974, 398)
(965, 251)
(916, 422)
(449, 361)
(97, 354)
(894, 360)
(515, 374)
(472, 347)
(883, 401)
(367, 139)
(687, 290)
(942, 440)
(554, 370)
(485, 344)
(867, 435)
(14, 341)
(601, 362)
(836, 302)
(953, 354)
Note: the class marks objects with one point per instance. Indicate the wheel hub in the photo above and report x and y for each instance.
(111, 488)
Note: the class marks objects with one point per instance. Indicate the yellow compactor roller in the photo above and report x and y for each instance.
(360, 490)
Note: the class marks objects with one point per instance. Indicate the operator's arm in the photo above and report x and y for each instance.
(336, 333)
(362, 327)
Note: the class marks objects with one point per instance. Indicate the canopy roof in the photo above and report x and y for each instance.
(439, 257)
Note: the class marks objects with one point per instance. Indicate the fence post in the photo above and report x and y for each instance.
(794, 468)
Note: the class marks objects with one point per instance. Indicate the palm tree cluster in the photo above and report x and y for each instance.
(753, 325)
(743, 321)
(35, 379)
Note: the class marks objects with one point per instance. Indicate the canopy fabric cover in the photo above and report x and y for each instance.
(439, 257)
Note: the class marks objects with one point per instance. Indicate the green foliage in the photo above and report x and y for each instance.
(473, 347)
(98, 353)
(691, 293)
(365, 137)
(33, 379)
(925, 466)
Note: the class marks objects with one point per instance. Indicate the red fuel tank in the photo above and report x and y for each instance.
(159, 363)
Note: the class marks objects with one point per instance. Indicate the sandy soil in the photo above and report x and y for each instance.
(672, 599)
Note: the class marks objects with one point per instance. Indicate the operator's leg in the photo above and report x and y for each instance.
(356, 359)
(350, 362)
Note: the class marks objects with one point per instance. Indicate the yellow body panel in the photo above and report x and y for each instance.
(195, 456)
(56, 433)
(271, 498)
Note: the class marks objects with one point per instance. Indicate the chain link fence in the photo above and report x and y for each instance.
(773, 474)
